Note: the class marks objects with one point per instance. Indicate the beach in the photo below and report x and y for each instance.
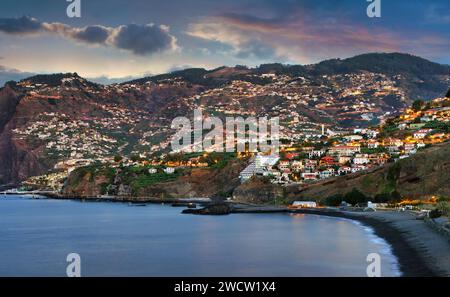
(421, 251)
(417, 243)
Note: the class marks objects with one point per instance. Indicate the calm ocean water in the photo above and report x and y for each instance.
(115, 239)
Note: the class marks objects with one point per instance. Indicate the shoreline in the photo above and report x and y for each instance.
(405, 240)
(413, 256)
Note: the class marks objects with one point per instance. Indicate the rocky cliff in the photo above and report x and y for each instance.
(197, 182)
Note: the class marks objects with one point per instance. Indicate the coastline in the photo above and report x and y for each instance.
(414, 255)
(420, 250)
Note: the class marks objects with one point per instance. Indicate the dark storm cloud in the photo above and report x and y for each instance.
(92, 34)
(143, 40)
(139, 39)
(22, 25)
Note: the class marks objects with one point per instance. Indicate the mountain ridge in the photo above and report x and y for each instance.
(136, 116)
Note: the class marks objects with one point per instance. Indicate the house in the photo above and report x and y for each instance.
(361, 159)
(402, 126)
(266, 160)
(249, 171)
(409, 147)
(379, 159)
(373, 144)
(344, 150)
(358, 168)
(327, 173)
(422, 133)
(344, 160)
(169, 170)
(310, 165)
(283, 165)
(291, 155)
(309, 176)
(303, 204)
(353, 137)
(152, 170)
(344, 170)
(316, 153)
(327, 161)
(297, 166)
(420, 145)
(392, 142)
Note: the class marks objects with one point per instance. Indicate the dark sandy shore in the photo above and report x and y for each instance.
(420, 250)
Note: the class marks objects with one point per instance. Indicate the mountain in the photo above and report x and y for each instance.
(48, 121)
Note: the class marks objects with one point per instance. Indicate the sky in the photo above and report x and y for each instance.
(117, 40)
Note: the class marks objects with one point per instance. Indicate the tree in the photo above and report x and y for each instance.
(418, 105)
(355, 196)
(118, 158)
(135, 158)
(334, 200)
(448, 94)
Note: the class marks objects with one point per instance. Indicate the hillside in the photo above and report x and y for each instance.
(425, 174)
(49, 121)
(135, 181)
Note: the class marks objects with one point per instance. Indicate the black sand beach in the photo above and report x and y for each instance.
(421, 251)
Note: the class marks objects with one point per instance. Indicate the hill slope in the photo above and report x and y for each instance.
(425, 174)
(46, 119)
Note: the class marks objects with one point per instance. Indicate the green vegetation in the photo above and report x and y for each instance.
(92, 171)
(391, 178)
(448, 94)
(356, 196)
(435, 213)
(438, 126)
(353, 197)
(393, 197)
(388, 129)
(444, 208)
(145, 180)
(334, 200)
(418, 105)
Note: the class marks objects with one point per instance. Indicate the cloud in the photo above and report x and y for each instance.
(139, 39)
(143, 40)
(438, 15)
(20, 26)
(105, 80)
(300, 38)
(8, 74)
(92, 34)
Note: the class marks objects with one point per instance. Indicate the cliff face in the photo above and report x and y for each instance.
(207, 182)
(17, 159)
(20, 158)
(423, 175)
